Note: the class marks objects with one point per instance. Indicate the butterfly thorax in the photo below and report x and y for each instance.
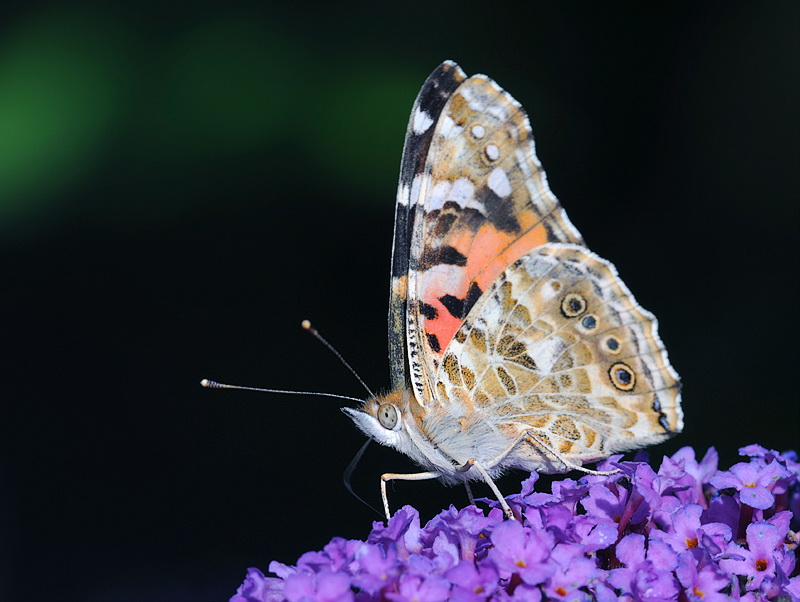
(439, 437)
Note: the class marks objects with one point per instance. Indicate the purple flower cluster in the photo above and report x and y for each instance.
(687, 532)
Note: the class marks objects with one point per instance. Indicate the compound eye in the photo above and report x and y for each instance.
(388, 416)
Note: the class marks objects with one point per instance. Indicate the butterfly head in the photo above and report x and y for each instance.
(393, 420)
(382, 418)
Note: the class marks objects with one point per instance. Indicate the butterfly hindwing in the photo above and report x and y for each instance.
(559, 348)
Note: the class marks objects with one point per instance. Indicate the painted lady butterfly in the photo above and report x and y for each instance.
(511, 344)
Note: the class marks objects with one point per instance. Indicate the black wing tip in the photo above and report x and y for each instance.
(447, 71)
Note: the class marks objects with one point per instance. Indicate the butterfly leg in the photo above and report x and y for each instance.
(469, 492)
(391, 476)
(473, 462)
(532, 439)
(536, 442)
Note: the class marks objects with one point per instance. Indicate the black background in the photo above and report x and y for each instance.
(216, 174)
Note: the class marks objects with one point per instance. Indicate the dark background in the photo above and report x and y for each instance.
(181, 184)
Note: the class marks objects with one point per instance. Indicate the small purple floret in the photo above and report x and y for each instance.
(753, 481)
(684, 532)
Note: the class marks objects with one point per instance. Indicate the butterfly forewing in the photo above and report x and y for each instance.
(484, 203)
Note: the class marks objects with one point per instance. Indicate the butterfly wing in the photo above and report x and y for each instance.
(427, 109)
(558, 348)
(477, 200)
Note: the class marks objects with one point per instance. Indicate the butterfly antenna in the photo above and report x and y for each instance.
(348, 473)
(210, 384)
(315, 333)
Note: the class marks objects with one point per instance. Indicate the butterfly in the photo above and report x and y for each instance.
(511, 344)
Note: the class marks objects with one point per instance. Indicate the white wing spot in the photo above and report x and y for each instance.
(438, 195)
(546, 353)
(551, 290)
(449, 129)
(478, 131)
(416, 183)
(492, 152)
(475, 102)
(422, 121)
(462, 191)
(403, 195)
(498, 183)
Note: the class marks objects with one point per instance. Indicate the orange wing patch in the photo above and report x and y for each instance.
(451, 292)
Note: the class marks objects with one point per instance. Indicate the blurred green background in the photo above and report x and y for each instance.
(182, 184)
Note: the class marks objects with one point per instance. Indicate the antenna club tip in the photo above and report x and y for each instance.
(306, 325)
(205, 383)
